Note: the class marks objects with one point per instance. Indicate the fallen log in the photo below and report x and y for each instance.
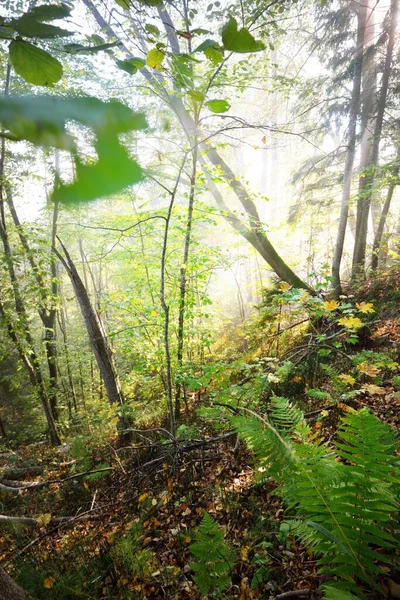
(9, 590)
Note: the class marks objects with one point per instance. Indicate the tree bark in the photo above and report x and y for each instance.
(385, 211)
(95, 330)
(366, 189)
(350, 154)
(9, 590)
(183, 276)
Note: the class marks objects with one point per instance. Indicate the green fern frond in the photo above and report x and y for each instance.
(284, 414)
(214, 557)
(346, 508)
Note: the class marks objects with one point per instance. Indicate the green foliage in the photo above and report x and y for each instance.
(346, 508)
(214, 558)
(43, 120)
(239, 40)
(35, 65)
(396, 382)
(218, 106)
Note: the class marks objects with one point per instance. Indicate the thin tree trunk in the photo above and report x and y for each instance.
(165, 307)
(95, 330)
(30, 361)
(350, 154)
(46, 310)
(366, 190)
(63, 329)
(28, 356)
(183, 276)
(385, 211)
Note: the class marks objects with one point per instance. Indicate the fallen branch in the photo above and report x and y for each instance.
(33, 521)
(39, 484)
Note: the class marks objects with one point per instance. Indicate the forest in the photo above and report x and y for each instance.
(199, 299)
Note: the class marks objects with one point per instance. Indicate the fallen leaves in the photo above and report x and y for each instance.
(49, 582)
(44, 519)
(368, 369)
(351, 322)
(365, 307)
(331, 305)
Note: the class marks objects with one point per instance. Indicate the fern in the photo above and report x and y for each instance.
(345, 509)
(214, 558)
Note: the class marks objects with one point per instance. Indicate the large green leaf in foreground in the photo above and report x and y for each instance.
(42, 120)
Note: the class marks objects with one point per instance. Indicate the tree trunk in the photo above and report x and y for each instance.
(183, 278)
(367, 182)
(95, 330)
(349, 162)
(385, 212)
(9, 590)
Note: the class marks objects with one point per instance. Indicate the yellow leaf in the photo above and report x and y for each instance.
(143, 497)
(44, 519)
(264, 139)
(351, 322)
(374, 389)
(284, 287)
(368, 369)
(347, 379)
(324, 413)
(330, 304)
(244, 553)
(155, 58)
(365, 307)
(153, 313)
(49, 582)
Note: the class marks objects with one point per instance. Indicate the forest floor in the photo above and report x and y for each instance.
(128, 529)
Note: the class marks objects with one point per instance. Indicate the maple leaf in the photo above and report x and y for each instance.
(284, 287)
(365, 307)
(49, 582)
(347, 379)
(351, 322)
(44, 519)
(368, 369)
(330, 305)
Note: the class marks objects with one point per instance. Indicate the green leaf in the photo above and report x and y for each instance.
(113, 171)
(50, 12)
(330, 536)
(125, 4)
(30, 116)
(154, 58)
(36, 66)
(152, 29)
(196, 95)
(206, 44)
(6, 32)
(239, 40)
(214, 55)
(131, 65)
(151, 2)
(30, 27)
(218, 106)
(81, 49)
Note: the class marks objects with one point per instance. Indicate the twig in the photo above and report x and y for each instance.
(293, 594)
